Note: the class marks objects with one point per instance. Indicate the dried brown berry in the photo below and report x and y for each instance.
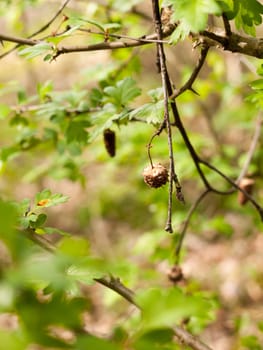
(247, 185)
(109, 138)
(175, 274)
(155, 176)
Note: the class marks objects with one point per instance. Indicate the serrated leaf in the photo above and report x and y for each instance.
(152, 112)
(248, 15)
(193, 15)
(76, 132)
(46, 199)
(156, 339)
(171, 306)
(124, 91)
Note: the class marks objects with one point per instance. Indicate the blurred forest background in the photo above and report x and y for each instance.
(110, 207)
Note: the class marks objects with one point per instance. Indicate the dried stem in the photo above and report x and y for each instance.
(162, 62)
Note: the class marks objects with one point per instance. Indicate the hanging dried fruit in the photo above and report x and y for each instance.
(155, 176)
(175, 274)
(247, 185)
(109, 138)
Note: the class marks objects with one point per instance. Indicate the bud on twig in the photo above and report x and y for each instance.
(247, 185)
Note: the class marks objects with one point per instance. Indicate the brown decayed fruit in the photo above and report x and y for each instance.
(155, 176)
(109, 139)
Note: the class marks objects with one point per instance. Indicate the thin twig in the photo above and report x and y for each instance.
(243, 172)
(234, 43)
(189, 84)
(157, 133)
(115, 284)
(161, 59)
(44, 27)
(121, 36)
(186, 223)
(252, 149)
(234, 184)
(190, 340)
(226, 25)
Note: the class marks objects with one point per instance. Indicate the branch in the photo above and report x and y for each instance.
(20, 41)
(44, 27)
(189, 83)
(233, 183)
(233, 42)
(243, 172)
(116, 285)
(187, 222)
(226, 25)
(189, 340)
(164, 74)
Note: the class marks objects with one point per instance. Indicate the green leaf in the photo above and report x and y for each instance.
(124, 92)
(87, 269)
(251, 342)
(18, 120)
(92, 342)
(76, 132)
(52, 230)
(157, 339)
(74, 246)
(248, 15)
(257, 84)
(13, 340)
(165, 307)
(46, 199)
(4, 111)
(8, 220)
(44, 90)
(36, 50)
(59, 38)
(193, 15)
(226, 6)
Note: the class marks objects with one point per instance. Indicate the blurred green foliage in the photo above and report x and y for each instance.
(48, 133)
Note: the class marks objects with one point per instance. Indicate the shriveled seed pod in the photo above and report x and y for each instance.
(175, 274)
(155, 176)
(247, 185)
(109, 139)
